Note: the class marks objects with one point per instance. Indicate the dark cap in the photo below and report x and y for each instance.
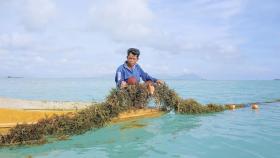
(134, 51)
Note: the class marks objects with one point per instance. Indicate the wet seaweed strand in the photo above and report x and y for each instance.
(98, 115)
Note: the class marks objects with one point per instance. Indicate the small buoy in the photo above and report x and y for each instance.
(255, 106)
(232, 106)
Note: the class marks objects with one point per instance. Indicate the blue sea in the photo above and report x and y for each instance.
(243, 133)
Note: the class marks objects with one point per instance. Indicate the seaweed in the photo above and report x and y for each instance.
(166, 98)
(99, 114)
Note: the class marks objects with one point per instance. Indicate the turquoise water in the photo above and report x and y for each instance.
(88, 89)
(240, 133)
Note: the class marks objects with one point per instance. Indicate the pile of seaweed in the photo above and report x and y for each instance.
(99, 114)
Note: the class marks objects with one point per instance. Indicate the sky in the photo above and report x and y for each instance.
(214, 39)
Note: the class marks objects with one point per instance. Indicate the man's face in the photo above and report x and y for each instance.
(132, 59)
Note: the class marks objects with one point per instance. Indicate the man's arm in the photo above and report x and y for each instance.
(145, 76)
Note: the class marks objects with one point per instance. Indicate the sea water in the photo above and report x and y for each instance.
(239, 133)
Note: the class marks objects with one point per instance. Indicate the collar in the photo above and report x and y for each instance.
(126, 66)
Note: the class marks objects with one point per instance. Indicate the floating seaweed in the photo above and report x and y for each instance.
(99, 114)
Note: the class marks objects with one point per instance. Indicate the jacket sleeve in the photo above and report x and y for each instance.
(145, 76)
(119, 77)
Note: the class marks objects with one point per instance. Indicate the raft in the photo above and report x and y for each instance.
(11, 117)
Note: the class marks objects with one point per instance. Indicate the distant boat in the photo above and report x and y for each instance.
(14, 77)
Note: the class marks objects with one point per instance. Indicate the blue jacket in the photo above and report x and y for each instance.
(123, 73)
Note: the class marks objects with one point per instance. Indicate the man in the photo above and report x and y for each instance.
(130, 71)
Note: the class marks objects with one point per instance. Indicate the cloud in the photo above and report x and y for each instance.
(204, 36)
(223, 9)
(202, 27)
(122, 19)
(32, 15)
(37, 14)
(15, 40)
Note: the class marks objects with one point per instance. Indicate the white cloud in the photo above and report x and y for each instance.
(15, 40)
(191, 36)
(206, 27)
(39, 59)
(38, 13)
(224, 9)
(202, 26)
(122, 19)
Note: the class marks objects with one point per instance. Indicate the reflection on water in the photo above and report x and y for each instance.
(132, 125)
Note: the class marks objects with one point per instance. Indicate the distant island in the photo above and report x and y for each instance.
(277, 79)
(14, 77)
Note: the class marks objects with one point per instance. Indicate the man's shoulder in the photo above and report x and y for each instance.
(120, 67)
(138, 66)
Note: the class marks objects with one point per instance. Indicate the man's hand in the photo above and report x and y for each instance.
(151, 89)
(123, 84)
(160, 82)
